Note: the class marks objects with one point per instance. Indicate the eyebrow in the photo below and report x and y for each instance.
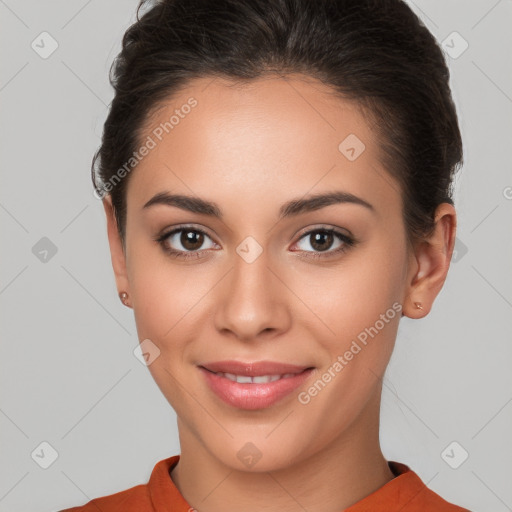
(288, 209)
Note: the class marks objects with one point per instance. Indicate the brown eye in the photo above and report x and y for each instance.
(191, 240)
(321, 240)
(185, 242)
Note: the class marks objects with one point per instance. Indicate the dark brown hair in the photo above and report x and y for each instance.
(375, 52)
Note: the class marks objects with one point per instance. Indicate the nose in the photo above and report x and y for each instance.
(252, 301)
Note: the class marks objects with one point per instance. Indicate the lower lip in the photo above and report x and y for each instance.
(253, 396)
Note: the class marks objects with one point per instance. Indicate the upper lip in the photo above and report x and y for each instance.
(254, 369)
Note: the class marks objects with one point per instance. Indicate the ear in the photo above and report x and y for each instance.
(117, 254)
(432, 259)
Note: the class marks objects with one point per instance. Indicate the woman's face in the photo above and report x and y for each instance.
(264, 282)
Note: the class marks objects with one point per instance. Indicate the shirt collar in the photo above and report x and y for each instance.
(401, 490)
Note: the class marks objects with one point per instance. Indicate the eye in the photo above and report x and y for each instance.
(188, 242)
(321, 240)
(182, 240)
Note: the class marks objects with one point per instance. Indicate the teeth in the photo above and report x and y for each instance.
(260, 379)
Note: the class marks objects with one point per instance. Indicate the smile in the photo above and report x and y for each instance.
(253, 392)
(260, 379)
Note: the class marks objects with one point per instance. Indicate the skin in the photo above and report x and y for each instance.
(250, 149)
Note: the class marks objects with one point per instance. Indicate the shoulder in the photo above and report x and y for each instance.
(134, 499)
(417, 495)
(140, 498)
(404, 492)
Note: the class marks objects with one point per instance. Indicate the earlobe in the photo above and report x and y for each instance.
(117, 253)
(432, 257)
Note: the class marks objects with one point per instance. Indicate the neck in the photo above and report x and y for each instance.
(342, 473)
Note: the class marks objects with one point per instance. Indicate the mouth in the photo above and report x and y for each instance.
(253, 385)
(257, 379)
(254, 369)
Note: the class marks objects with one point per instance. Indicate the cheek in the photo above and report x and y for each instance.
(358, 303)
(351, 295)
(167, 297)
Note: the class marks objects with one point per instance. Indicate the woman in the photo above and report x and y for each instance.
(277, 182)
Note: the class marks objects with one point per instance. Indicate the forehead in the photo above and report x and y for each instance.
(261, 139)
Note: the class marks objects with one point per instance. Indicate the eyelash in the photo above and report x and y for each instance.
(348, 242)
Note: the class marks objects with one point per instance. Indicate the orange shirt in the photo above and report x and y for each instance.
(405, 493)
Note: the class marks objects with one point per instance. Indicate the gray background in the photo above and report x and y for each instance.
(68, 373)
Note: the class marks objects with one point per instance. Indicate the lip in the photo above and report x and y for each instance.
(253, 369)
(252, 396)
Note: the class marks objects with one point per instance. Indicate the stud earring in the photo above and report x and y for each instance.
(124, 298)
(418, 305)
